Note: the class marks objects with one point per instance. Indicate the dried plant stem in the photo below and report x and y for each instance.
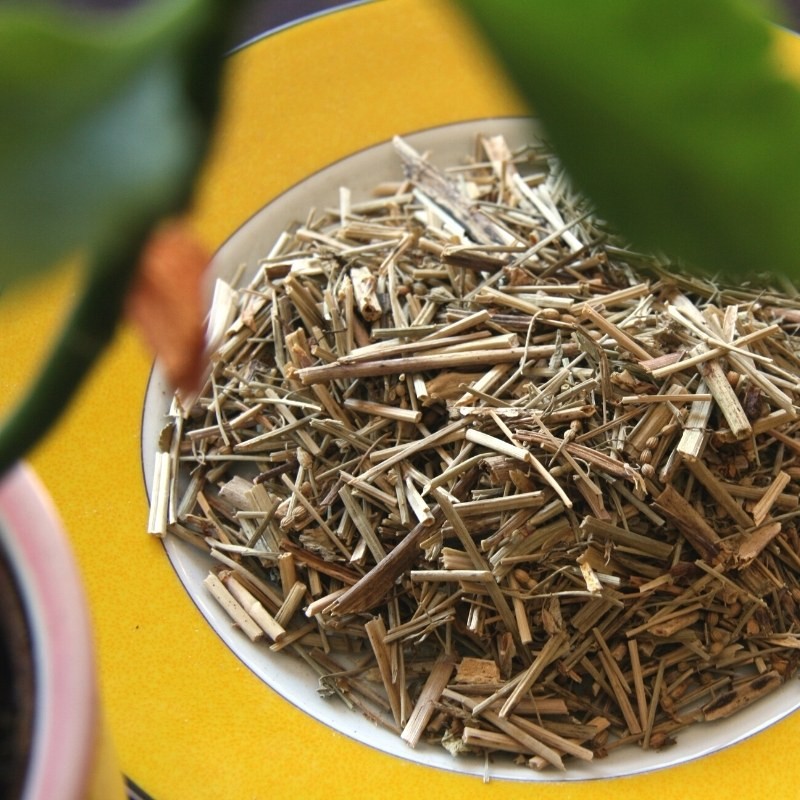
(499, 481)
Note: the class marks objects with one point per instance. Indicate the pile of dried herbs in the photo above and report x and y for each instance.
(502, 482)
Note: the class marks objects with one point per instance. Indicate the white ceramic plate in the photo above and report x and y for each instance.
(292, 678)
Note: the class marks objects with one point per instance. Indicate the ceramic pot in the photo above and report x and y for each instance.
(53, 745)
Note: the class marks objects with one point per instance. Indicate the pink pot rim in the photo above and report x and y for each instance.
(66, 704)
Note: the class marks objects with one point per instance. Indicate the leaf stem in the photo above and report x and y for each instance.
(88, 331)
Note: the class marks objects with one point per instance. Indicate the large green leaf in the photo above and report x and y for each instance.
(104, 125)
(97, 127)
(670, 115)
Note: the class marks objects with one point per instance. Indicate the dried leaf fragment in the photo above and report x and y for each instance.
(167, 304)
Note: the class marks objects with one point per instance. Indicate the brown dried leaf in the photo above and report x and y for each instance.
(166, 302)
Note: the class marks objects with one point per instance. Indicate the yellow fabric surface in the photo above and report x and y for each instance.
(189, 721)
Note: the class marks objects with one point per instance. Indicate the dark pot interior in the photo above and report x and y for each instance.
(16, 686)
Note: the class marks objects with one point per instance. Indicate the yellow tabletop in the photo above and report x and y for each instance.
(189, 720)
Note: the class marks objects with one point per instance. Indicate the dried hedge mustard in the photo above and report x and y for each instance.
(504, 483)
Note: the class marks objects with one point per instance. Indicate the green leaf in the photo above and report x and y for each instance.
(98, 129)
(104, 128)
(671, 116)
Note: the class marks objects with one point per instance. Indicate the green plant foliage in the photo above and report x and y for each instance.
(98, 130)
(671, 116)
(105, 125)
